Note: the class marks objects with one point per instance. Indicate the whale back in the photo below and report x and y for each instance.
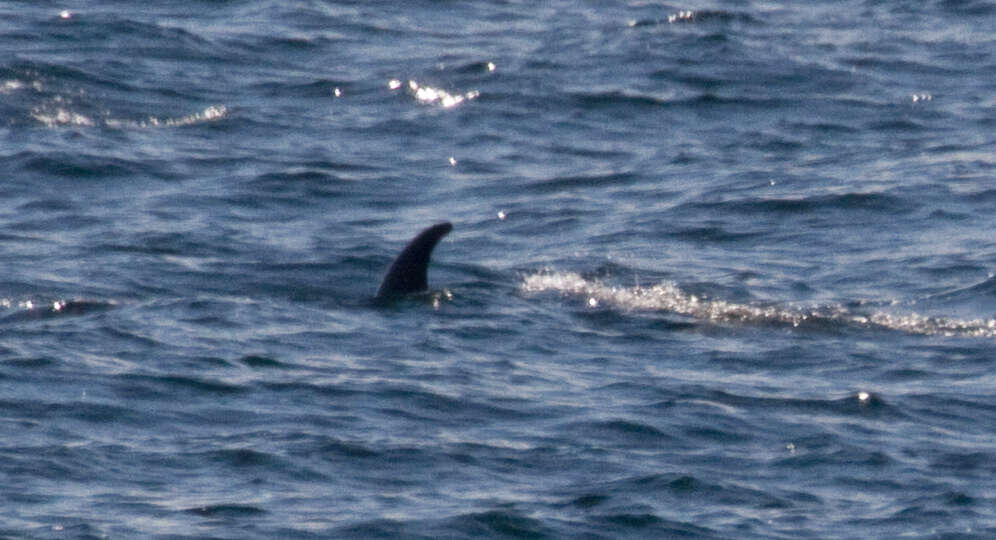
(409, 271)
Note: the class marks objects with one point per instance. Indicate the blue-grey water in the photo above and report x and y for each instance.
(718, 270)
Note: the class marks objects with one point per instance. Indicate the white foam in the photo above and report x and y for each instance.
(669, 297)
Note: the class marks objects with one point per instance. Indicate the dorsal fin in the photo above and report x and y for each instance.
(408, 272)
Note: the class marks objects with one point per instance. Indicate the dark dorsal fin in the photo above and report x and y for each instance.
(408, 272)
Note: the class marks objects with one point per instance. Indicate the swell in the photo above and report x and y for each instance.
(873, 202)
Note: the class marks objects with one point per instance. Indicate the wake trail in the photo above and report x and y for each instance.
(670, 298)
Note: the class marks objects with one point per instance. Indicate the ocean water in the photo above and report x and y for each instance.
(718, 270)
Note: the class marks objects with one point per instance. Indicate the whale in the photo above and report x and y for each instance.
(408, 273)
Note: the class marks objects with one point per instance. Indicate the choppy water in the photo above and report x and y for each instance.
(718, 270)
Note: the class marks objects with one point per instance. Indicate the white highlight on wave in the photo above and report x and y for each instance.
(61, 116)
(428, 95)
(678, 17)
(13, 85)
(56, 305)
(669, 297)
(58, 111)
(210, 114)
